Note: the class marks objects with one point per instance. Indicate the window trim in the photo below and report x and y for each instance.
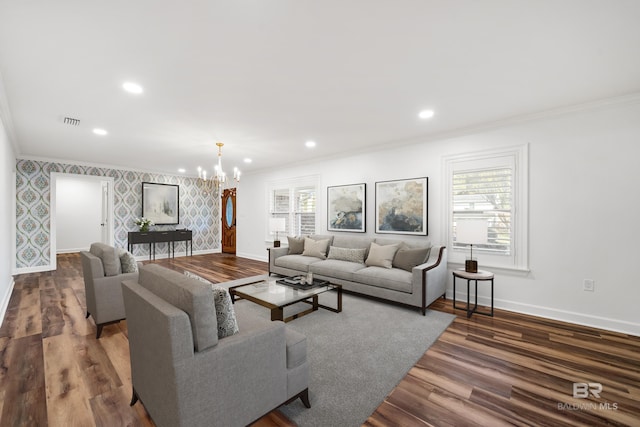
(519, 157)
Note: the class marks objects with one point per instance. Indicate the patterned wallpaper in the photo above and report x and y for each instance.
(198, 212)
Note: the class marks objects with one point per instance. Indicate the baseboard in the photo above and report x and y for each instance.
(4, 304)
(252, 256)
(592, 321)
(36, 269)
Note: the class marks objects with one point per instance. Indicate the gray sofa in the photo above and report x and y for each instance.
(419, 287)
(185, 375)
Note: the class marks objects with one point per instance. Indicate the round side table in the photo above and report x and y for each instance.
(481, 275)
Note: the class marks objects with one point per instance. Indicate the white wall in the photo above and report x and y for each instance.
(78, 212)
(7, 194)
(583, 204)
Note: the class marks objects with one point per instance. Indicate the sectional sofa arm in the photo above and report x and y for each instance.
(275, 253)
(429, 279)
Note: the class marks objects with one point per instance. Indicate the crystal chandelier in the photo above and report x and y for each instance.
(219, 179)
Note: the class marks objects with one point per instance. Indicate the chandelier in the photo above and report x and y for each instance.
(219, 178)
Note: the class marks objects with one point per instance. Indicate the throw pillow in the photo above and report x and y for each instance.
(128, 262)
(296, 245)
(225, 314)
(381, 256)
(316, 248)
(109, 257)
(406, 259)
(347, 254)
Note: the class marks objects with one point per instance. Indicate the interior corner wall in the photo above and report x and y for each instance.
(199, 210)
(7, 188)
(583, 204)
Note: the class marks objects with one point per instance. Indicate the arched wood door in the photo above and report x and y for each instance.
(229, 221)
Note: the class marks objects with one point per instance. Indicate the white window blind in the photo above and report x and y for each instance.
(485, 194)
(294, 201)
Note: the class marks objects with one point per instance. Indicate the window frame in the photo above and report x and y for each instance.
(515, 157)
(292, 185)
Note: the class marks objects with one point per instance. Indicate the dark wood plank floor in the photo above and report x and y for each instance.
(508, 370)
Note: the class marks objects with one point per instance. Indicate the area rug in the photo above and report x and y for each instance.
(356, 357)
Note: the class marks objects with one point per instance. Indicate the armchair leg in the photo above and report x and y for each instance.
(134, 398)
(99, 331)
(304, 396)
(87, 316)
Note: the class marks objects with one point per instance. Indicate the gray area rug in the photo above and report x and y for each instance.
(356, 357)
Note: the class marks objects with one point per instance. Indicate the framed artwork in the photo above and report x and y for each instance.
(161, 203)
(401, 206)
(346, 208)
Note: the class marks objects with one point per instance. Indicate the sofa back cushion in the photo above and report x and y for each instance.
(109, 256)
(189, 295)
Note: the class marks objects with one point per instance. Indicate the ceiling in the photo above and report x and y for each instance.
(265, 76)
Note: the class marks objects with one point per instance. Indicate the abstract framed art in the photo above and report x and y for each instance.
(401, 206)
(346, 208)
(161, 203)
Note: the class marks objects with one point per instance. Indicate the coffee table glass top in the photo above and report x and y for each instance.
(279, 295)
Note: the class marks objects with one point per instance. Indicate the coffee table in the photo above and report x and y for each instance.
(265, 291)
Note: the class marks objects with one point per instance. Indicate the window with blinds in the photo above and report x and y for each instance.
(490, 185)
(485, 194)
(297, 205)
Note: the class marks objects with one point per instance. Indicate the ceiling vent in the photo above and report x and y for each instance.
(71, 121)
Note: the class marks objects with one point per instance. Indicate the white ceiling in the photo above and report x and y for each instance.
(264, 76)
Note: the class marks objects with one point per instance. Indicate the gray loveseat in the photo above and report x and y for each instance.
(185, 375)
(398, 280)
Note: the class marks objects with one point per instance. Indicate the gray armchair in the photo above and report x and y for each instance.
(102, 284)
(186, 376)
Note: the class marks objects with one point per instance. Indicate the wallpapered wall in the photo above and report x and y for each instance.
(199, 210)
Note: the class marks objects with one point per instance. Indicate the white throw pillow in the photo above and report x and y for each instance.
(381, 256)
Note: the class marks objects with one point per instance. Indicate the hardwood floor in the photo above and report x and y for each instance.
(511, 369)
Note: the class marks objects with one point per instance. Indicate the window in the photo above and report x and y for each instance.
(295, 201)
(492, 186)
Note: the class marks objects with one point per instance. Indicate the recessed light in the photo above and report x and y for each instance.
(132, 87)
(426, 114)
(182, 170)
(100, 132)
(248, 160)
(310, 144)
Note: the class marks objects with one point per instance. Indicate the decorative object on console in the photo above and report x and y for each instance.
(346, 208)
(143, 223)
(161, 203)
(219, 179)
(401, 206)
(472, 232)
(275, 226)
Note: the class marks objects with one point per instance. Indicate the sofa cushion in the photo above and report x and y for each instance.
(296, 245)
(225, 314)
(296, 262)
(336, 268)
(109, 257)
(128, 262)
(406, 259)
(315, 248)
(390, 278)
(381, 256)
(189, 295)
(347, 254)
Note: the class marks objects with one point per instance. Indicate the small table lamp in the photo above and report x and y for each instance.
(473, 232)
(276, 225)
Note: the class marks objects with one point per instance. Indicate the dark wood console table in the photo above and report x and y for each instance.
(152, 237)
